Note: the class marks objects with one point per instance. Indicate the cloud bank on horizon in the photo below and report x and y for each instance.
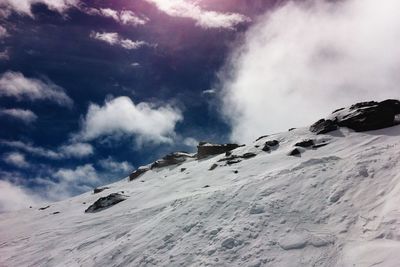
(305, 59)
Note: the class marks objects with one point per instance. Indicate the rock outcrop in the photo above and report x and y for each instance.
(305, 143)
(361, 117)
(171, 159)
(205, 149)
(269, 145)
(105, 202)
(134, 175)
(99, 189)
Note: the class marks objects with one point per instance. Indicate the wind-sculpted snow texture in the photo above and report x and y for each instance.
(335, 204)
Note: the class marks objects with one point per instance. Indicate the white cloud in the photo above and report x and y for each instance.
(113, 38)
(67, 182)
(74, 150)
(110, 165)
(130, 18)
(15, 84)
(25, 115)
(13, 197)
(209, 92)
(190, 141)
(16, 159)
(205, 19)
(125, 17)
(144, 121)
(38, 151)
(5, 54)
(23, 7)
(304, 60)
(86, 173)
(3, 32)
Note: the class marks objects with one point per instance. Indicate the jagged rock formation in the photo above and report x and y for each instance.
(137, 173)
(171, 159)
(305, 143)
(271, 144)
(99, 189)
(105, 202)
(360, 117)
(205, 149)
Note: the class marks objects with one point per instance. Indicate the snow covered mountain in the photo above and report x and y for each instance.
(325, 195)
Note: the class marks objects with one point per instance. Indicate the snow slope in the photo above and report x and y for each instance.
(336, 205)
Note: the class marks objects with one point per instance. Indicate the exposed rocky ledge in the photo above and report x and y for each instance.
(105, 202)
(361, 117)
(205, 149)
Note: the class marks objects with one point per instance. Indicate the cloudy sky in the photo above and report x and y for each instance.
(90, 90)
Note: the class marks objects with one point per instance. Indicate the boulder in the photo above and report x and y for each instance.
(367, 116)
(171, 159)
(213, 167)
(105, 202)
(295, 152)
(134, 175)
(270, 144)
(207, 149)
(99, 189)
(305, 143)
(361, 117)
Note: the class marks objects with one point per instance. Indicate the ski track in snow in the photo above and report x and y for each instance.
(337, 205)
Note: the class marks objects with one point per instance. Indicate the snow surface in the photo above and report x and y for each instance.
(337, 205)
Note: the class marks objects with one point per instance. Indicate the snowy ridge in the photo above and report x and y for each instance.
(331, 205)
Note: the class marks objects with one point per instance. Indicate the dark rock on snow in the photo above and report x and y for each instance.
(205, 149)
(231, 162)
(99, 189)
(360, 117)
(324, 126)
(295, 152)
(270, 144)
(266, 148)
(171, 159)
(233, 159)
(248, 155)
(213, 167)
(44, 208)
(368, 116)
(305, 143)
(134, 175)
(105, 202)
